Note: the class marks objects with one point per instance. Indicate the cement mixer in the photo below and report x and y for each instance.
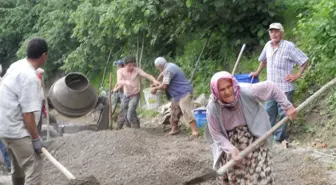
(73, 96)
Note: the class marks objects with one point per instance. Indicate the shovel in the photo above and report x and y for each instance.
(86, 180)
(222, 170)
(57, 164)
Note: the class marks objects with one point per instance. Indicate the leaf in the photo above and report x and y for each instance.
(189, 3)
(261, 33)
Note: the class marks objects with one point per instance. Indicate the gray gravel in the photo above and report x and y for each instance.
(129, 157)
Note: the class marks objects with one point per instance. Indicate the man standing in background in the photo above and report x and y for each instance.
(20, 106)
(129, 78)
(119, 88)
(280, 56)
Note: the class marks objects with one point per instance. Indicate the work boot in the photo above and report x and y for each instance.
(18, 180)
(127, 124)
(119, 126)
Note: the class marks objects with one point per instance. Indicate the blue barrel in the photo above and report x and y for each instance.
(200, 116)
(245, 78)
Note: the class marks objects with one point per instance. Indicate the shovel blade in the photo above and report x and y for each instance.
(209, 176)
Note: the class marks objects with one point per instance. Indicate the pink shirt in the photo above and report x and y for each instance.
(130, 80)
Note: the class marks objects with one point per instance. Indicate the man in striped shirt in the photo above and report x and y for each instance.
(280, 56)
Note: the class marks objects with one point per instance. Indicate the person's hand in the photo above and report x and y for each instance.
(291, 113)
(153, 91)
(38, 144)
(156, 83)
(254, 74)
(292, 77)
(235, 155)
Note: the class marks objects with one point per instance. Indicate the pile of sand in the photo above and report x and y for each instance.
(129, 157)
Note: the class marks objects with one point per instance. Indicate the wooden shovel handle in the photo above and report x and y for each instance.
(58, 165)
(238, 59)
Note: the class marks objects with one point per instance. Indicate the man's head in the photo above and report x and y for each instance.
(276, 32)
(160, 62)
(120, 64)
(37, 52)
(130, 63)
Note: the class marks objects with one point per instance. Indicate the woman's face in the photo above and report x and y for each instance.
(225, 90)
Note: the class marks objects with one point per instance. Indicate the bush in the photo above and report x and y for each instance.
(317, 36)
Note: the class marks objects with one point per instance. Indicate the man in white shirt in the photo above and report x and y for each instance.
(20, 107)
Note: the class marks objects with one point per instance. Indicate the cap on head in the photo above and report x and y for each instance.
(276, 26)
(160, 61)
(120, 62)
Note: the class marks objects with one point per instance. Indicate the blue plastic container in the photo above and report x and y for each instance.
(200, 116)
(245, 78)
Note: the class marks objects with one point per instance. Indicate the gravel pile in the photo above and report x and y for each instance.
(143, 157)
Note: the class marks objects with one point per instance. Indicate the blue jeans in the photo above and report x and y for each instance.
(128, 113)
(121, 95)
(5, 155)
(275, 111)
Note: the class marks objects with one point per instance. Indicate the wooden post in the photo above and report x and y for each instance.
(47, 107)
(110, 101)
(106, 66)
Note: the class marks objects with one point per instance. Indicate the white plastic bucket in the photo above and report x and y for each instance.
(152, 100)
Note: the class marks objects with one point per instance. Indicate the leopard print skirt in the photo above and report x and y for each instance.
(255, 169)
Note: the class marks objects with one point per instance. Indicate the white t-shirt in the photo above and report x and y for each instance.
(20, 92)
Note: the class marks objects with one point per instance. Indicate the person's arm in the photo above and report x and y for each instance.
(267, 90)
(30, 102)
(148, 76)
(216, 134)
(117, 87)
(29, 121)
(167, 76)
(298, 57)
(263, 60)
(159, 78)
(120, 80)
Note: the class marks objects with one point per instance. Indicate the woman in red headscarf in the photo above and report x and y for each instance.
(235, 120)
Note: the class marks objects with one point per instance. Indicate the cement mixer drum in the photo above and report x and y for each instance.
(73, 95)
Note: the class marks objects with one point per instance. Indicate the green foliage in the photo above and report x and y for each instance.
(81, 34)
(316, 30)
(240, 20)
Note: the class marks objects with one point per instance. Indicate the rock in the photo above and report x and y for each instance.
(201, 101)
